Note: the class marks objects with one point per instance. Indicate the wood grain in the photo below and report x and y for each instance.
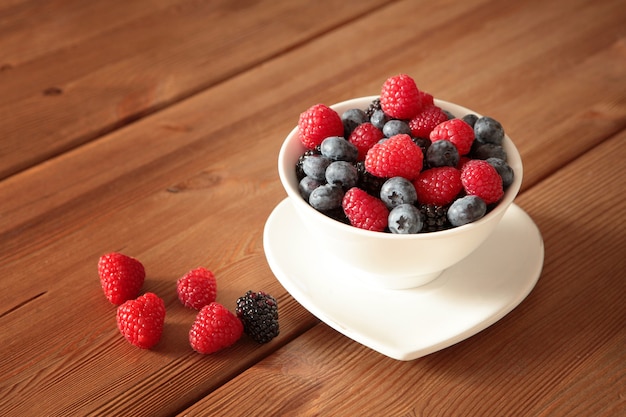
(102, 72)
(560, 353)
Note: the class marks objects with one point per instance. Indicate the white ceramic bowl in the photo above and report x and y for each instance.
(383, 259)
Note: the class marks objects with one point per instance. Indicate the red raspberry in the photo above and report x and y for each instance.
(438, 186)
(317, 123)
(397, 156)
(197, 288)
(215, 328)
(400, 98)
(121, 277)
(480, 178)
(141, 320)
(364, 136)
(426, 120)
(364, 210)
(427, 99)
(456, 131)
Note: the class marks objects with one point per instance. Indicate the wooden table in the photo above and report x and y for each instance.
(152, 128)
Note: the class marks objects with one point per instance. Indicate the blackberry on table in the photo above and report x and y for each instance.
(435, 217)
(259, 313)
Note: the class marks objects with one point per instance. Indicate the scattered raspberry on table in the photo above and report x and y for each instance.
(141, 320)
(121, 277)
(215, 328)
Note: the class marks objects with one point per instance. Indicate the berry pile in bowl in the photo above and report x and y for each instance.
(400, 186)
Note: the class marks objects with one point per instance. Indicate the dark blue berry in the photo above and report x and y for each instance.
(339, 149)
(488, 130)
(352, 118)
(342, 174)
(405, 219)
(379, 118)
(326, 197)
(315, 166)
(396, 127)
(307, 185)
(396, 191)
(470, 119)
(504, 169)
(442, 153)
(449, 115)
(466, 210)
(488, 150)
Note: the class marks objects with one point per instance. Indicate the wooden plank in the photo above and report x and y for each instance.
(180, 188)
(561, 352)
(85, 71)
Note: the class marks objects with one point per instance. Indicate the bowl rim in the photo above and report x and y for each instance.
(291, 186)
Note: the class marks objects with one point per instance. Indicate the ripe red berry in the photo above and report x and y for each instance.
(197, 288)
(456, 131)
(215, 328)
(317, 123)
(481, 179)
(141, 320)
(397, 156)
(121, 277)
(438, 186)
(364, 210)
(426, 120)
(400, 98)
(364, 136)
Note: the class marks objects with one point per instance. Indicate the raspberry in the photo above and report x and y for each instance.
(427, 99)
(397, 156)
(481, 179)
(457, 132)
(215, 328)
(259, 313)
(426, 120)
(400, 98)
(121, 277)
(438, 186)
(364, 210)
(141, 320)
(317, 123)
(197, 288)
(365, 136)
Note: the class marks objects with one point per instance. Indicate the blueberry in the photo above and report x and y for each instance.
(307, 185)
(315, 166)
(504, 169)
(339, 149)
(442, 153)
(488, 130)
(466, 210)
(326, 197)
(342, 174)
(352, 118)
(488, 150)
(396, 191)
(378, 119)
(405, 219)
(396, 127)
(470, 119)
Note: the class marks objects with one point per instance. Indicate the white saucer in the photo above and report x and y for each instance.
(408, 324)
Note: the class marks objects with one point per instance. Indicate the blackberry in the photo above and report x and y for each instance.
(435, 217)
(258, 312)
(368, 182)
(374, 105)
